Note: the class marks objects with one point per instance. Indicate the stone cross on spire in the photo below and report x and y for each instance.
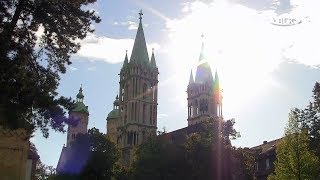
(140, 14)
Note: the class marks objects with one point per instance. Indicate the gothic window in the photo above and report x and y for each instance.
(150, 114)
(144, 90)
(144, 113)
(127, 92)
(136, 88)
(131, 118)
(135, 112)
(152, 90)
(122, 94)
(154, 114)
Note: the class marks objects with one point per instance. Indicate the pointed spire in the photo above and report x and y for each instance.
(125, 62)
(216, 82)
(191, 78)
(80, 106)
(80, 95)
(201, 58)
(153, 60)
(139, 53)
(116, 102)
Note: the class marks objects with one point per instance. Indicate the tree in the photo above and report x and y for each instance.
(92, 156)
(294, 159)
(204, 154)
(310, 119)
(30, 64)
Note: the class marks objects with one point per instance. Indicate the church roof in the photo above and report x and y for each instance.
(80, 106)
(139, 53)
(153, 60)
(191, 80)
(125, 62)
(113, 114)
(204, 73)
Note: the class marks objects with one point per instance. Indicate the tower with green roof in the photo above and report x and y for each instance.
(136, 118)
(204, 93)
(113, 120)
(80, 115)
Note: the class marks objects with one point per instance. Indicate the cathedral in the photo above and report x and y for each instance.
(134, 116)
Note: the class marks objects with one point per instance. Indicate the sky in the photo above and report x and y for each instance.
(266, 64)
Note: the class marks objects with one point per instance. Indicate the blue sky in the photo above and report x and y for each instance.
(264, 69)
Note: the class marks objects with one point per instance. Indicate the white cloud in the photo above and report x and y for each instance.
(162, 115)
(92, 68)
(108, 49)
(72, 68)
(130, 24)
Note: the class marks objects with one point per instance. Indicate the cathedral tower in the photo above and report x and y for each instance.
(80, 114)
(204, 94)
(138, 98)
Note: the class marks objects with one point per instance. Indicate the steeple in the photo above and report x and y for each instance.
(191, 78)
(153, 60)
(125, 62)
(202, 57)
(80, 95)
(80, 106)
(216, 82)
(139, 53)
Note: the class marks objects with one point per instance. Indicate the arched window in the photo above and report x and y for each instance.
(150, 121)
(144, 90)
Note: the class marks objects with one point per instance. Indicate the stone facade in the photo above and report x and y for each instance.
(204, 94)
(14, 148)
(80, 117)
(134, 116)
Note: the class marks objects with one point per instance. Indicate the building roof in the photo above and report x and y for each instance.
(204, 73)
(80, 107)
(113, 114)
(139, 53)
(266, 147)
(191, 80)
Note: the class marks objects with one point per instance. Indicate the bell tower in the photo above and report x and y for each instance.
(80, 115)
(204, 94)
(138, 97)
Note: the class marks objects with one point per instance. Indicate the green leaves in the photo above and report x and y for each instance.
(31, 62)
(294, 158)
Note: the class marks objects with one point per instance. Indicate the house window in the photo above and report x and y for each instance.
(267, 163)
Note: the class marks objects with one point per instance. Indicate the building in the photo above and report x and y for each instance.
(265, 156)
(204, 94)
(80, 117)
(134, 115)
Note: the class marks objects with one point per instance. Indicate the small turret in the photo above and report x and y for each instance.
(125, 62)
(80, 106)
(191, 80)
(153, 60)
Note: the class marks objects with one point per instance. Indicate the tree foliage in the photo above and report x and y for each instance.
(294, 158)
(37, 39)
(310, 119)
(92, 156)
(204, 154)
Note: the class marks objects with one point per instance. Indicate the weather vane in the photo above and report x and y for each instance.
(140, 14)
